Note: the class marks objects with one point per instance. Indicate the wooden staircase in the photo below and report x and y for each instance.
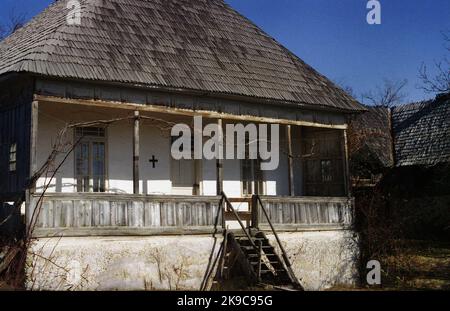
(264, 264)
(248, 254)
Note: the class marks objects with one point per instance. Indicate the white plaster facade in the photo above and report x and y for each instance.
(119, 155)
(320, 260)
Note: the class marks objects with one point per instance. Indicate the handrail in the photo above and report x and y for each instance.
(283, 251)
(230, 206)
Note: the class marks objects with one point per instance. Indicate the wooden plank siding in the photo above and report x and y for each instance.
(16, 99)
(308, 213)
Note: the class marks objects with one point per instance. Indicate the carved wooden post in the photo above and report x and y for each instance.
(136, 153)
(347, 181)
(219, 159)
(33, 163)
(290, 160)
(33, 139)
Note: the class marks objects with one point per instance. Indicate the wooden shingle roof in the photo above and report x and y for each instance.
(201, 45)
(371, 131)
(422, 132)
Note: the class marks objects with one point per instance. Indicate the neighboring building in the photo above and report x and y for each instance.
(419, 186)
(422, 132)
(416, 186)
(130, 215)
(410, 135)
(370, 146)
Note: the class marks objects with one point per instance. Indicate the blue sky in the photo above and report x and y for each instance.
(334, 37)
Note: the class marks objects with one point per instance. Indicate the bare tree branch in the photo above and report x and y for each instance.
(440, 82)
(345, 87)
(15, 21)
(388, 95)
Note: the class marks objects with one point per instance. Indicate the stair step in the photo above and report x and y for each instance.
(267, 271)
(271, 262)
(257, 255)
(252, 248)
(253, 239)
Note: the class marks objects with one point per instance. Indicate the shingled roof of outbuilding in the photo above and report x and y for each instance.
(372, 130)
(201, 45)
(422, 132)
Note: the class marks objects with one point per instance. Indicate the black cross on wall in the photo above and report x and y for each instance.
(153, 161)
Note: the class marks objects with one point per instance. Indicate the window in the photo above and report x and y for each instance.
(185, 173)
(252, 177)
(90, 159)
(13, 157)
(327, 170)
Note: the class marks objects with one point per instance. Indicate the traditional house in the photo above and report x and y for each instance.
(86, 112)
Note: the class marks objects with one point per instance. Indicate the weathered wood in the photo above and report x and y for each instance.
(123, 231)
(16, 99)
(255, 212)
(219, 161)
(74, 211)
(302, 212)
(347, 182)
(150, 107)
(136, 140)
(323, 162)
(79, 212)
(291, 181)
(33, 139)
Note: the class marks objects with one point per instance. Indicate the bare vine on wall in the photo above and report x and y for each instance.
(15, 261)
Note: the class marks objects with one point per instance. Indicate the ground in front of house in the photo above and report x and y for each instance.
(417, 265)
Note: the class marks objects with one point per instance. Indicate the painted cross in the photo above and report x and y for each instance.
(153, 160)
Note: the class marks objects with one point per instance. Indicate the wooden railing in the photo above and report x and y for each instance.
(259, 206)
(83, 214)
(305, 213)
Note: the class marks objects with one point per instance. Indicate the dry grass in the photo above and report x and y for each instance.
(415, 265)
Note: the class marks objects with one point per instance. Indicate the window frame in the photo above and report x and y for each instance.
(256, 175)
(11, 161)
(91, 140)
(197, 167)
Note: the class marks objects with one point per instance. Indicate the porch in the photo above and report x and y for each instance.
(102, 214)
(120, 178)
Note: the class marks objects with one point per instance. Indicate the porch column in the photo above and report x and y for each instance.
(136, 153)
(33, 162)
(347, 181)
(33, 139)
(219, 160)
(290, 160)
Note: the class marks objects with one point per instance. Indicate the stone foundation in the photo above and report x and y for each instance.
(320, 260)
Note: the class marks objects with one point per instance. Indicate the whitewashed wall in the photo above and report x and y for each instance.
(120, 153)
(320, 260)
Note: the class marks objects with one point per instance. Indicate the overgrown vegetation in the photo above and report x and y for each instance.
(404, 223)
